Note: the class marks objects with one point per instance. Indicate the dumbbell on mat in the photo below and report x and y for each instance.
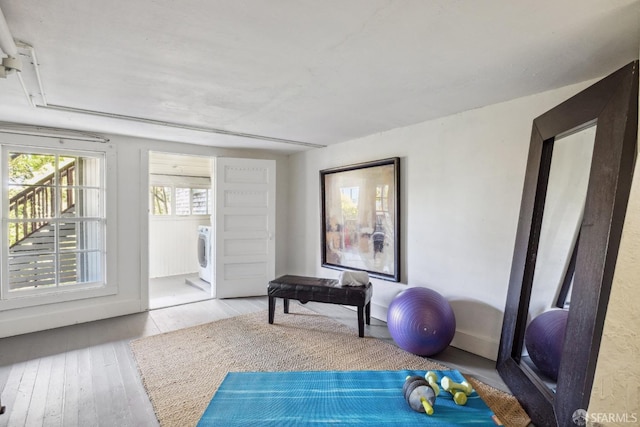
(432, 379)
(419, 394)
(459, 391)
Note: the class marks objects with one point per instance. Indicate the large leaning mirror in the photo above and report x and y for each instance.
(576, 188)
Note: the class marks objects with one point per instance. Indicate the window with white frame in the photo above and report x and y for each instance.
(54, 220)
(180, 199)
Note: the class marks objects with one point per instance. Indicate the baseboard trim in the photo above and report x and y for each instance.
(482, 346)
(379, 311)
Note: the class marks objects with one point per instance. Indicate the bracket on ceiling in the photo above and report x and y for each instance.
(11, 62)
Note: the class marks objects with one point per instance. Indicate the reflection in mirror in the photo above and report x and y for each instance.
(561, 220)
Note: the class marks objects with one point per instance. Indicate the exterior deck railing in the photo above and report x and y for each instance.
(36, 203)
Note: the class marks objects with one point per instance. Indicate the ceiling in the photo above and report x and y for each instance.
(250, 74)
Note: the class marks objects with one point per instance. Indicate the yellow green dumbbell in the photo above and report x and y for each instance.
(432, 379)
(459, 391)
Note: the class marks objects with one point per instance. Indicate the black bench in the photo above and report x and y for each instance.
(305, 289)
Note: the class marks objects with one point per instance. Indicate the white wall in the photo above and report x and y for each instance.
(173, 245)
(461, 184)
(132, 238)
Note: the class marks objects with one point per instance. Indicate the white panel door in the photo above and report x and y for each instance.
(244, 226)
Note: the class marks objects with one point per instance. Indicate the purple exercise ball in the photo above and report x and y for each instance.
(544, 339)
(421, 321)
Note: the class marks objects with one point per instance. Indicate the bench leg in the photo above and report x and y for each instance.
(286, 305)
(367, 312)
(360, 321)
(272, 308)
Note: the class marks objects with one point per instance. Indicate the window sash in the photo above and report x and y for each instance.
(61, 245)
(174, 200)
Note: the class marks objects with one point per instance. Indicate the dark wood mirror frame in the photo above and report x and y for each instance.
(611, 103)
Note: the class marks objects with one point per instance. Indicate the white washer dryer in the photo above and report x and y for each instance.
(204, 253)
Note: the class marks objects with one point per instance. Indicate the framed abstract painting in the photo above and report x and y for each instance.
(361, 218)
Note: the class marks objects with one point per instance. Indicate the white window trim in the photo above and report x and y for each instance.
(173, 182)
(75, 292)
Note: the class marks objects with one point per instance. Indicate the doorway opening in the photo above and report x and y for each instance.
(180, 212)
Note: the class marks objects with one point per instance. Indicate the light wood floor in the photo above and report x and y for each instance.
(85, 375)
(174, 290)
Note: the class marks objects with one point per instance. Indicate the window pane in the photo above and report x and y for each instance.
(80, 171)
(30, 238)
(27, 168)
(161, 200)
(80, 267)
(68, 236)
(183, 196)
(32, 271)
(67, 170)
(81, 202)
(31, 201)
(81, 235)
(200, 201)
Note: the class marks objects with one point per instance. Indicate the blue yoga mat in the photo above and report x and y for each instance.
(372, 398)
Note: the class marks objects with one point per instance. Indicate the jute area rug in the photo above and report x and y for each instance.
(182, 370)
